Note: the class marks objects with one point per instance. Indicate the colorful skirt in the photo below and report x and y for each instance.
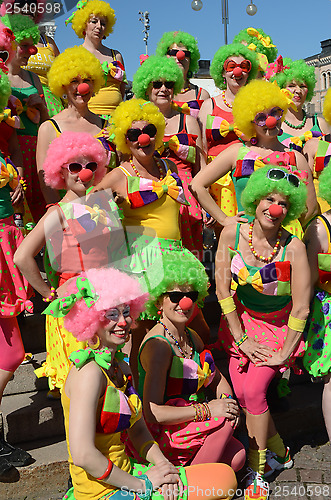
(15, 291)
(317, 358)
(269, 329)
(53, 103)
(60, 343)
(137, 470)
(33, 194)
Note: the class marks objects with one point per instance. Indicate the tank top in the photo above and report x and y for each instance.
(215, 141)
(23, 93)
(41, 62)
(180, 147)
(191, 107)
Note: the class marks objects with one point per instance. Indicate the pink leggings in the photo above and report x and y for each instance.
(221, 446)
(11, 345)
(251, 384)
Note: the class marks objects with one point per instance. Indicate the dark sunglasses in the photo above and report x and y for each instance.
(168, 85)
(133, 133)
(261, 118)
(175, 297)
(230, 65)
(75, 168)
(275, 174)
(173, 52)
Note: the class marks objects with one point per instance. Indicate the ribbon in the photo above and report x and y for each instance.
(275, 67)
(115, 69)
(101, 356)
(61, 306)
(12, 121)
(227, 127)
(8, 174)
(79, 5)
(244, 278)
(186, 152)
(184, 108)
(302, 174)
(300, 140)
(266, 41)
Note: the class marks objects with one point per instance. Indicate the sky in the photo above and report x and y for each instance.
(296, 26)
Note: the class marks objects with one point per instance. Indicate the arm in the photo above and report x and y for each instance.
(46, 135)
(15, 154)
(204, 95)
(194, 129)
(206, 109)
(221, 165)
(312, 208)
(36, 100)
(52, 43)
(323, 125)
(316, 241)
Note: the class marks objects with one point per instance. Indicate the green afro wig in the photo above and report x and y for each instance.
(180, 38)
(5, 90)
(22, 26)
(327, 106)
(252, 35)
(73, 62)
(253, 98)
(178, 268)
(226, 51)
(324, 184)
(298, 71)
(132, 111)
(259, 186)
(156, 68)
(93, 7)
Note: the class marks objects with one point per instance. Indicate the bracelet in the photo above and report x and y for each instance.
(51, 296)
(241, 341)
(296, 324)
(107, 471)
(225, 395)
(208, 412)
(151, 441)
(148, 488)
(227, 305)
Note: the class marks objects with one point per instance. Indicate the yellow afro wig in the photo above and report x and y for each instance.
(254, 98)
(131, 111)
(327, 106)
(93, 7)
(74, 62)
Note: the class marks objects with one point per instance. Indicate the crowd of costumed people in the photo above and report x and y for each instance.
(110, 198)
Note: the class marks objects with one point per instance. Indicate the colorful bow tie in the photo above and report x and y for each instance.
(8, 173)
(115, 69)
(103, 357)
(176, 143)
(266, 41)
(144, 191)
(183, 108)
(12, 121)
(300, 140)
(61, 306)
(226, 128)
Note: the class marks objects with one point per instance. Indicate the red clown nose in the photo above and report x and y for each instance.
(33, 50)
(271, 122)
(85, 175)
(237, 71)
(185, 303)
(275, 210)
(83, 88)
(180, 55)
(144, 140)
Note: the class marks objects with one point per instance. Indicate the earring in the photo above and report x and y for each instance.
(224, 81)
(253, 141)
(94, 345)
(64, 96)
(159, 312)
(280, 132)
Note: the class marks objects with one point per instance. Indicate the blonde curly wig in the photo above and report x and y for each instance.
(74, 62)
(131, 111)
(327, 107)
(96, 8)
(254, 98)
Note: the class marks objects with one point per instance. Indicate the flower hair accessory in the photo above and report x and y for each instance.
(275, 67)
(61, 306)
(266, 41)
(79, 5)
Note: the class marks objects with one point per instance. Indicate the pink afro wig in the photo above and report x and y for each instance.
(7, 43)
(113, 288)
(67, 148)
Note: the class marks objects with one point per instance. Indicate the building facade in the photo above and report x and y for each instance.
(322, 65)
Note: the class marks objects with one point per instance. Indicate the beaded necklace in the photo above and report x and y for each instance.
(225, 101)
(254, 252)
(185, 90)
(182, 352)
(301, 125)
(134, 168)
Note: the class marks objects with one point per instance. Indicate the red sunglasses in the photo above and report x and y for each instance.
(230, 65)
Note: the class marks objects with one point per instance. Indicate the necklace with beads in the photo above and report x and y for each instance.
(225, 101)
(301, 125)
(184, 90)
(182, 352)
(134, 168)
(266, 260)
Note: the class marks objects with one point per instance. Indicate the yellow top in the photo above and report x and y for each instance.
(107, 99)
(162, 216)
(324, 257)
(41, 62)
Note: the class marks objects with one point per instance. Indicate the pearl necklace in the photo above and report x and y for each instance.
(301, 125)
(134, 168)
(254, 252)
(182, 352)
(225, 101)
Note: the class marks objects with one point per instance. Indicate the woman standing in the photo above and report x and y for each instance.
(157, 80)
(263, 323)
(93, 21)
(183, 48)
